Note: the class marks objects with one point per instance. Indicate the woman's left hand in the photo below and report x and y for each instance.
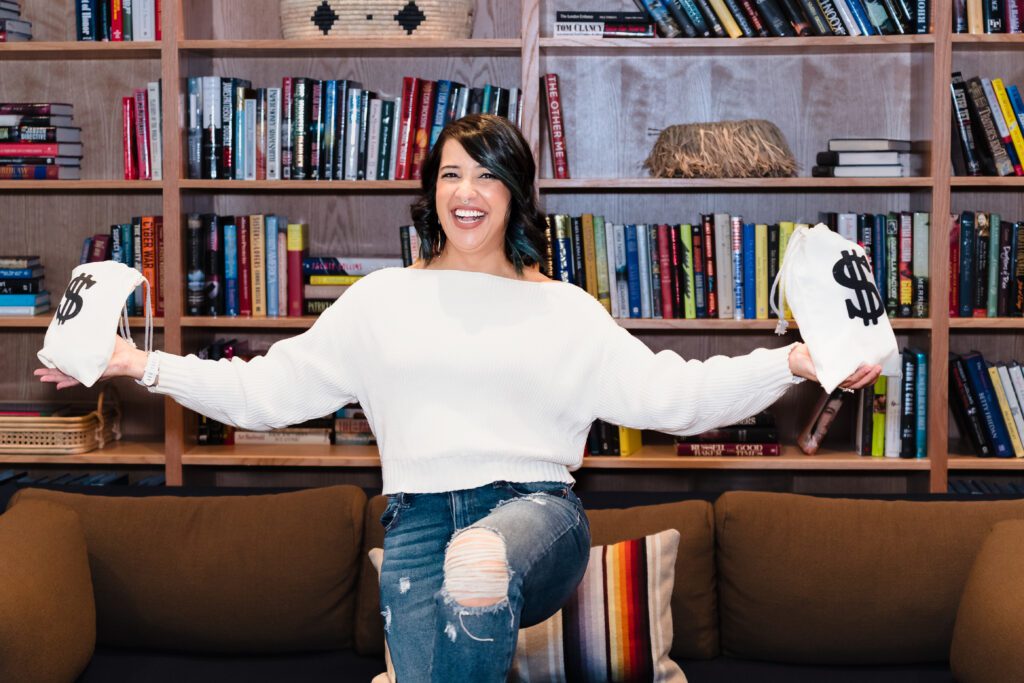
(800, 364)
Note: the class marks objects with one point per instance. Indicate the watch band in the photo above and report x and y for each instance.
(149, 374)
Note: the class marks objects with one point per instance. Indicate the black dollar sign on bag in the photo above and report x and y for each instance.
(852, 271)
(71, 304)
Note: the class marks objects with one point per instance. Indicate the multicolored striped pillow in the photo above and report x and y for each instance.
(617, 628)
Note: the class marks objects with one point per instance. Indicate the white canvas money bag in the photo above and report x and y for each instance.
(80, 338)
(826, 280)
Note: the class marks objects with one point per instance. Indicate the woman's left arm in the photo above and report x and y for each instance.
(636, 387)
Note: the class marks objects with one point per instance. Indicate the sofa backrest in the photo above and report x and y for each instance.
(841, 581)
(229, 574)
(694, 614)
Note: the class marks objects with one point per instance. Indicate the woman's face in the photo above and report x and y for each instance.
(472, 204)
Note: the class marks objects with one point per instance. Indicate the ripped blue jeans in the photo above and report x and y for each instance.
(432, 633)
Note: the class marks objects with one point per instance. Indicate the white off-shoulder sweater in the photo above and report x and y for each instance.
(468, 378)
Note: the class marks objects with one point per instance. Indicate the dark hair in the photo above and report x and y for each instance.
(497, 145)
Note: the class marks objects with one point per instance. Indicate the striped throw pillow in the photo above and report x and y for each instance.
(617, 628)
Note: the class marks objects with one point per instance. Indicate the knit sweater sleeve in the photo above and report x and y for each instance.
(636, 387)
(300, 378)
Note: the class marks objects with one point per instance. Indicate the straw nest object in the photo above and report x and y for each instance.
(751, 148)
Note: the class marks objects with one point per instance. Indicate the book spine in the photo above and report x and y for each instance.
(700, 289)
(921, 405)
(425, 112)
(1006, 255)
(660, 16)
(128, 147)
(286, 132)
(776, 21)
(142, 134)
(739, 302)
(831, 15)
(128, 13)
(195, 132)
(749, 272)
(154, 116)
(906, 257)
(148, 234)
(282, 269)
(212, 123)
(982, 115)
(710, 271)
(270, 259)
(260, 143)
(689, 280)
(1004, 107)
(644, 260)
(979, 299)
(273, 144)
(257, 261)
(920, 264)
(709, 450)
(633, 271)
(365, 97)
(967, 238)
(908, 407)
(315, 130)
(966, 409)
(651, 232)
(85, 19)
(818, 23)
(687, 16)
(116, 22)
(244, 266)
(761, 270)
(723, 265)
(665, 269)
(406, 127)
(231, 269)
(773, 259)
(740, 19)
(725, 16)
(195, 280)
(1016, 447)
(791, 9)
(711, 17)
(992, 269)
(231, 131)
(300, 123)
(992, 419)
(1017, 295)
(851, 24)
(556, 130)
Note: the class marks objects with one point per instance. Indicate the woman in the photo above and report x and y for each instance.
(481, 378)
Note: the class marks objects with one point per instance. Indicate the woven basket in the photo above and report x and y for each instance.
(432, 19)
(78, 430)
(751, 148)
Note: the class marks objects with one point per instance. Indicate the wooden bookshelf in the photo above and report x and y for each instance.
(123, 453)
(613, 91)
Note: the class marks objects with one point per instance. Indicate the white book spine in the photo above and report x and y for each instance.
(621, 276)
(352, 134)
(414, 243)
(1011, 400)
(848, 226)
(395, 125)
(847, 16)
(513, 103)
(373, 139)
(156, 144)
(250, 139)
(723, 266)
(463, 102)
(144, 27)
(211, 102)
(892, 416)
(273, 133)
(1017, 380)
(613, 285)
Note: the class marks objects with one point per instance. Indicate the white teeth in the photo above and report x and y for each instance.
(466, 214)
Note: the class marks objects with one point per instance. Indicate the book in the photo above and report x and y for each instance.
(876, 171)
(821, 418)
(868, 145)
(556, 129)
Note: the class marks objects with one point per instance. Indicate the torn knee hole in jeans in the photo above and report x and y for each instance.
(476, 571)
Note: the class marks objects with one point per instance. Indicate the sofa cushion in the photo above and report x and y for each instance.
(47, 614)
(694, 616)
(835, 581)
(987, 637)
(261, 574)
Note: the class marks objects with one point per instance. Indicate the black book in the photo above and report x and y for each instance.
(993, 16)
(962, 125)
(966, 303)
(982, 232)
(21, 286)
(908, 407)
(476, 100)
(364, 131)
(578, 258)
(965, 408)
(741, 18)
(684, 19)
(994, 159)
(341, 125)
(794, 14)
(213, 291)
(816, 18)
(1006, 256)
(776, 21)
(1017, 295)
(892, 8)
(195, 265)
(659, 15)
(315, 131)
(227, 121)
(711, 18)
(301, 95)
(103, 20)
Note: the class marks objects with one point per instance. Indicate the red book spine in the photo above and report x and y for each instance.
(158, 286)
(100, 248)
(710, 295)
(244, 269)
(295, 284)
(699, 283)
(407, 126)
(954, 267)
(157, 7)
(710, 450)
(424, 121)
(142, 134)
(29, 149)
(116, 21)
(665, 270)
(556, 129)
(131, 169)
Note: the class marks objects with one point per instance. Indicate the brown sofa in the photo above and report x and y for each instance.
(277, 586)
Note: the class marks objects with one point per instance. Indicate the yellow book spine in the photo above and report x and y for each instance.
(297, 236)
(689, 301)
(1004, 408)
(590, 254)
(725, 16)
(975, 19)
(601, 247)
(257, 254)
(761, 270)
(786, 229)
(334, 279)
(878, 418)
(629, 440)
(1010, 116)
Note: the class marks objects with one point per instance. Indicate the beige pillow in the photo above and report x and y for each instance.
(617, 626)
(987, 637)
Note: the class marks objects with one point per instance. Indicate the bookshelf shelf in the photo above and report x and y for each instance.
(82, 185)
(337, 46)
(66, 50)
(729, 184)
(354, 186)
(966, 462)
(809, 45)
(712, 324)
(962, 40)
(987, 183)
(283, 456)
(986, 323)
(43, 320)
(120, 453)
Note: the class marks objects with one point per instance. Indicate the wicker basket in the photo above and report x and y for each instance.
(432, 19)
(77, 430)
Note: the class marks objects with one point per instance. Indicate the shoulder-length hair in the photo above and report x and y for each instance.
(497, 145)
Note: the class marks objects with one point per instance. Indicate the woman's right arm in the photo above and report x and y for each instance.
(300, 378)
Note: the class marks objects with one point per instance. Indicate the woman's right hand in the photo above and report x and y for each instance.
(125, 361)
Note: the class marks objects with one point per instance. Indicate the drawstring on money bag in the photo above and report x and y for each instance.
(778, 304)
(125, 330)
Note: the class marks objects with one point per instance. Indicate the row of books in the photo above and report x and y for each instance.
(892, 415)
(139, 244)
(24, 478)
(756, 435)
(986, 266)
(13, 27)
(258, 265)
(142, 134)
(310, 129)
(721, 266)
(22, 290)
(986, 400)
(872, 158)
(782, 18)
(38, 141)
(118, 20)
(976, 16)
(987, 120)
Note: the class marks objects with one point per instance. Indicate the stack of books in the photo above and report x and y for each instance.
(754, 436)
(987, 118)
(39, 142)
(783, 18)
(352, 428)
(22, 291)
(13, 28)
(986, 400)
(867, 158)
(602, 24)
(117, 20)
(609, 439)
(311, 129)
(141, 134)
(988, 17)
(325, 278)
